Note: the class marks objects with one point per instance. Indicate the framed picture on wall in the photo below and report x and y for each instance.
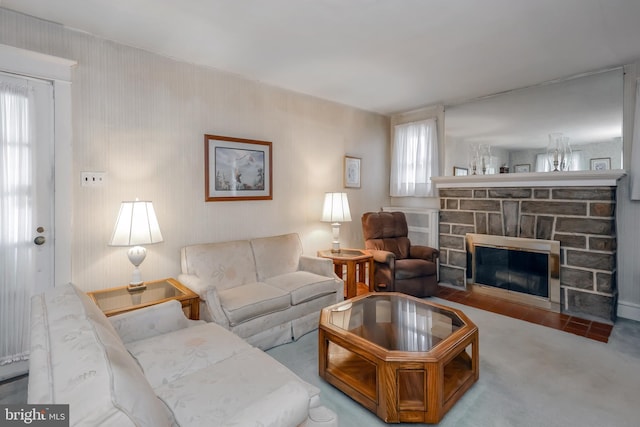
(458, 171)
(522, 168)
(351, 172)
(601, 164)
(236, 169)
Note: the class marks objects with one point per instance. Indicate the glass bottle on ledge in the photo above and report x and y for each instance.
(473, 159)
(484, 153)
(556, 152)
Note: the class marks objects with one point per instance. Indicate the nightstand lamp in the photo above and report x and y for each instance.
(136, 225)
(335, 211)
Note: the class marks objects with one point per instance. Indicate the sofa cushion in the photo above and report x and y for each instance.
(89, 365)
(232, 385)
(276, 255)
(165, 358)
(223, 265)
(154, 320)
(283, 407)
(303, 286)
(252, 300)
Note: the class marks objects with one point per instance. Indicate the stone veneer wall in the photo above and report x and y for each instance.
(581, 218)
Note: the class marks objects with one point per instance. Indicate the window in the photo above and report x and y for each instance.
(414, 159)
(575, 162)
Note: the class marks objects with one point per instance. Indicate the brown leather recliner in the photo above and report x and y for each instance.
(399, 266)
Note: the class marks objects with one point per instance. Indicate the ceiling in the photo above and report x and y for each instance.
(385, 56)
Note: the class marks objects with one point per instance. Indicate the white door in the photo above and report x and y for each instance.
(26, 206)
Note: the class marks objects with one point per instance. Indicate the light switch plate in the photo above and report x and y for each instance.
(93, 179)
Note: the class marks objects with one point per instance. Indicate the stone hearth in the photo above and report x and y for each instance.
(581, 218)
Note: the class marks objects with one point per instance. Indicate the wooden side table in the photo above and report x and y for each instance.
(120, 299)
(358, 263)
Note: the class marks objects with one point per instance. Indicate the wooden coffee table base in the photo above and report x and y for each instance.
(401, 386)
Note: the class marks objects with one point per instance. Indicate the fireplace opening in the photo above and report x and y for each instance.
(513, 270)
(519, 269)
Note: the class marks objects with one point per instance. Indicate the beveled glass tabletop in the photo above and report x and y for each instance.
(396, 322)
(122, 298)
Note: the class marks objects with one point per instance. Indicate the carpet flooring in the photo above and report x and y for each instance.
(530, 375)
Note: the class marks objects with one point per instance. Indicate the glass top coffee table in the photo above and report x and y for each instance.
(403, 358)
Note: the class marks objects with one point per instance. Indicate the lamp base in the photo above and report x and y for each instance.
(335, 244)
(135, 287)
(136, 255)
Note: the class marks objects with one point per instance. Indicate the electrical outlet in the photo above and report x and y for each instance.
(93, 179)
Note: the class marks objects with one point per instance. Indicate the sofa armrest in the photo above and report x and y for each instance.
(150, 321)
(424, 252)
(194, 283)
(287, 406)
(316, 265)
(212, 300)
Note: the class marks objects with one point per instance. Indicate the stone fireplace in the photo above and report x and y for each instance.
(576, 209)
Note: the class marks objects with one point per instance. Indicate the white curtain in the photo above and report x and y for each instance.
(542, 165)
(16, 228)
(576, 162)
(634, 172)
(414, 159)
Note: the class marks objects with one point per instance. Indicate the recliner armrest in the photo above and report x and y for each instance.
(384, 257)
(424, 252)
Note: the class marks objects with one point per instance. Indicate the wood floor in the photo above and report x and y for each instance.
(575, 325)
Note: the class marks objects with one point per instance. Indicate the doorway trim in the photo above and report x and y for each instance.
(57, 70)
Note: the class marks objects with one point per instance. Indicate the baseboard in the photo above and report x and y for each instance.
(629, 310)
(14, 369)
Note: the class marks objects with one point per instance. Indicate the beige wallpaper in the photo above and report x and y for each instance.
(141, 118)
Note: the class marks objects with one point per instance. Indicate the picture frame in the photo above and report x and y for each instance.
(352, 172)
(523, 168)
(458, 171)
(237, 169)
(601, 164)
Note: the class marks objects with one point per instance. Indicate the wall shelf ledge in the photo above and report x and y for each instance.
(608, 178)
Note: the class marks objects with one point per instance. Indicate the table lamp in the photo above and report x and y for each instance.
(335, 211)
(136, 225)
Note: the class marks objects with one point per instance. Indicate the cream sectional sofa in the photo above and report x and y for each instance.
(154, 367)
(264, 290)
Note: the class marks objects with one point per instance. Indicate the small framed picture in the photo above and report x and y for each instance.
(351, 172)
(458, 171)
(601, 164)
(522, 168)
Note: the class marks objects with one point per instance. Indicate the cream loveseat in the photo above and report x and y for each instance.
(154, 367)
(264, 290)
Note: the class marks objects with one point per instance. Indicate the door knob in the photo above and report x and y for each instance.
(39, 240)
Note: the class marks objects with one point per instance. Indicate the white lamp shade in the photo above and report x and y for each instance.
(136, 225)
(336, 208)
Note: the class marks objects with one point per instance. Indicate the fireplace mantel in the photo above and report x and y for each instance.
(534, 179)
